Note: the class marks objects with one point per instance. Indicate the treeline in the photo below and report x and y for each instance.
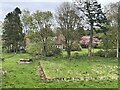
(35, 32)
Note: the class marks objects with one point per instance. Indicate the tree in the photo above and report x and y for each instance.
(112, 15)
(69, 23)
(119, 31)
(94, 18)
(27, 24)
(43, 22)
(34, 46)
(26, 21)
(12, 31)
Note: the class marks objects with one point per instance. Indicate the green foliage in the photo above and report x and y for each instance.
(108, 40)
(27, 21)
(43, 22)
(54, 51)
(110, 53)
(76, 47)
(12, 31)
(95, 18)
(106, 44)
(113, 15)
(33, 37)
(100, 53)
(34, 49)
(38, 28)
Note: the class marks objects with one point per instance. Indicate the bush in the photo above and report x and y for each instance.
(113, 53)
(76, 54)
(4, 50)
(102, 53)
(76, 47)
(54, 51)
(33, 48)
(57, 51)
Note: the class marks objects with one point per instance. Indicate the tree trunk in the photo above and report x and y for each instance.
(119, 32)
(14, 49)
(106, 45)
(8, 49)
(68, 52)
(68, 48)
(44, 51)
(44, 48)
(117, 44)
(90, 42)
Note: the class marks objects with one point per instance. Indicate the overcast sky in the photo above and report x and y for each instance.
(7, 6)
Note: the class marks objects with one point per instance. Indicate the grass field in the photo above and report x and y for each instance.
(27, 75)
(83, 67)
(83, 52)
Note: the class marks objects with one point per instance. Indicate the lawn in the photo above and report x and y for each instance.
(83, 52)
(27, 75)
(83, 67)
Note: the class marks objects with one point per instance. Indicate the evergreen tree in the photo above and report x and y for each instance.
(12, 31)
(93, 17)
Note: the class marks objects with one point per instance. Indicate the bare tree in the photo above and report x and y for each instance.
(69, 21)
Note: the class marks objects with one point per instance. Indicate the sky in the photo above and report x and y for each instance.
(7, 6)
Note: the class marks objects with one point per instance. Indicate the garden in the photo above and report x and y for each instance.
(97, 72)
(77, 46)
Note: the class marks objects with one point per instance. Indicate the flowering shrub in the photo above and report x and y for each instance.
(86, 39)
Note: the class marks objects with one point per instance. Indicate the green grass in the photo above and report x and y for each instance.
(27, 75)
(83, 52)
(19, 75)
(82, 67)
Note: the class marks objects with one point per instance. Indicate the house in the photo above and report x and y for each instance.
(59, 39)
(84, 41)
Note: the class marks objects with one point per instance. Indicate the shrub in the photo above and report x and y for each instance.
(100, 53)
(49, 54)
(76, 47)
(57, 51)
(76, 54)
(54, 51)
(33, 48)
(4, 50)
(111, 53)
